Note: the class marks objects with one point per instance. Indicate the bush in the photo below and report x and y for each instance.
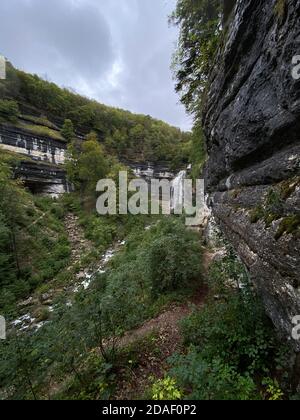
(231, 343)
(9, 111)
(234, 330)
(167, 266)
(211, 380)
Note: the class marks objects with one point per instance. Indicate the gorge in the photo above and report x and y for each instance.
(138, 303)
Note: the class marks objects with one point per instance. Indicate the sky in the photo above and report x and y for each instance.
(118, 52)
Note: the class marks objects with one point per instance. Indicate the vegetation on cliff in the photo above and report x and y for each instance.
(126, 135)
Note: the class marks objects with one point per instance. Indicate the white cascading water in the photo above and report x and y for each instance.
(177, 191)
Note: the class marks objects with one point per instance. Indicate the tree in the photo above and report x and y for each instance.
(12, 205)
(200, 23)
(86, 164)
(9, 111)
(197, 151)
(68, 130)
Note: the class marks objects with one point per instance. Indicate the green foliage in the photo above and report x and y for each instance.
(9, 111)
(166, 389)
(40, 121)
(273, 391)
(87, 164)
(230, 341)
(288, 225)
(41, 130)
(280, 8)
(234, 330)
(273, 208)
(197, 151)
(256, 214)
(166, 262)
(213, 380)
(67, 130)
(200, 28)
(115, 302)
(126, 135)
(134, 284)
(33, 248)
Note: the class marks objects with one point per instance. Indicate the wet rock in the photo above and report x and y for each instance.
(46, 297)
(28, 302)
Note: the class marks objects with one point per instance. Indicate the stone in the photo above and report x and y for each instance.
(251, 121)
(27, 302)
(81, 275)
(46, 297)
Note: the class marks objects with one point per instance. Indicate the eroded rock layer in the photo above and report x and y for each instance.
(252, 124)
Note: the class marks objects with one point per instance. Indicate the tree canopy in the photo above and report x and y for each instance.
(200, 23)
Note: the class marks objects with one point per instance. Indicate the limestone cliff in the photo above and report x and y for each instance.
(252, 125)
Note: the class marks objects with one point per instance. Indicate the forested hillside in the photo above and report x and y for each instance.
(126, 135)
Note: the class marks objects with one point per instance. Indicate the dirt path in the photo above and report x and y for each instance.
(152, 360)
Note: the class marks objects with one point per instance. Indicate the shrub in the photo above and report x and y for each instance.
(9, 110)
(166, 389)
(167, 265)
(211, 380)
(273, 391)
(235, 330)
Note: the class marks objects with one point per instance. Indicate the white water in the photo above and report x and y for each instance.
(27, 321)
(177, 191)
(89, 277)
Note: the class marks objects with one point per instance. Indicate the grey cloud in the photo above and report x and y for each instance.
(117, 51)
(56, 37)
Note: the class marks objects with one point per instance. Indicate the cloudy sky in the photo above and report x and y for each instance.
(116, 51)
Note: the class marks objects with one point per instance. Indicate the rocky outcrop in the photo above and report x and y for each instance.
(39, 148)
(42, 178)
(252, 125)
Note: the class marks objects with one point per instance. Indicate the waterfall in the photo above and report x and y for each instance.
(177, 191)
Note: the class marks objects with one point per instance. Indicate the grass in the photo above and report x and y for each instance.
(40, 121)
(41, 130)
(273, 208)
(288, 225)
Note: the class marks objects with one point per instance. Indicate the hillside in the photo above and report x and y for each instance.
(41, 108)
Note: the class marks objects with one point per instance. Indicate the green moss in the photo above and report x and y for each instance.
(42, 314)
(256, 214)
(288, 225)
(11, 158)
(288, 187)
(272, 207)
(280, 8)
(41, 130)
(270, 218)
(40, 121)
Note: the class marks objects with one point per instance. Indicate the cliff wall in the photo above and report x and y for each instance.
(252, 125)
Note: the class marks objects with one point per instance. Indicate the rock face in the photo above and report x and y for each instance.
(39, 148)
(43, 179)
(252, 125)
